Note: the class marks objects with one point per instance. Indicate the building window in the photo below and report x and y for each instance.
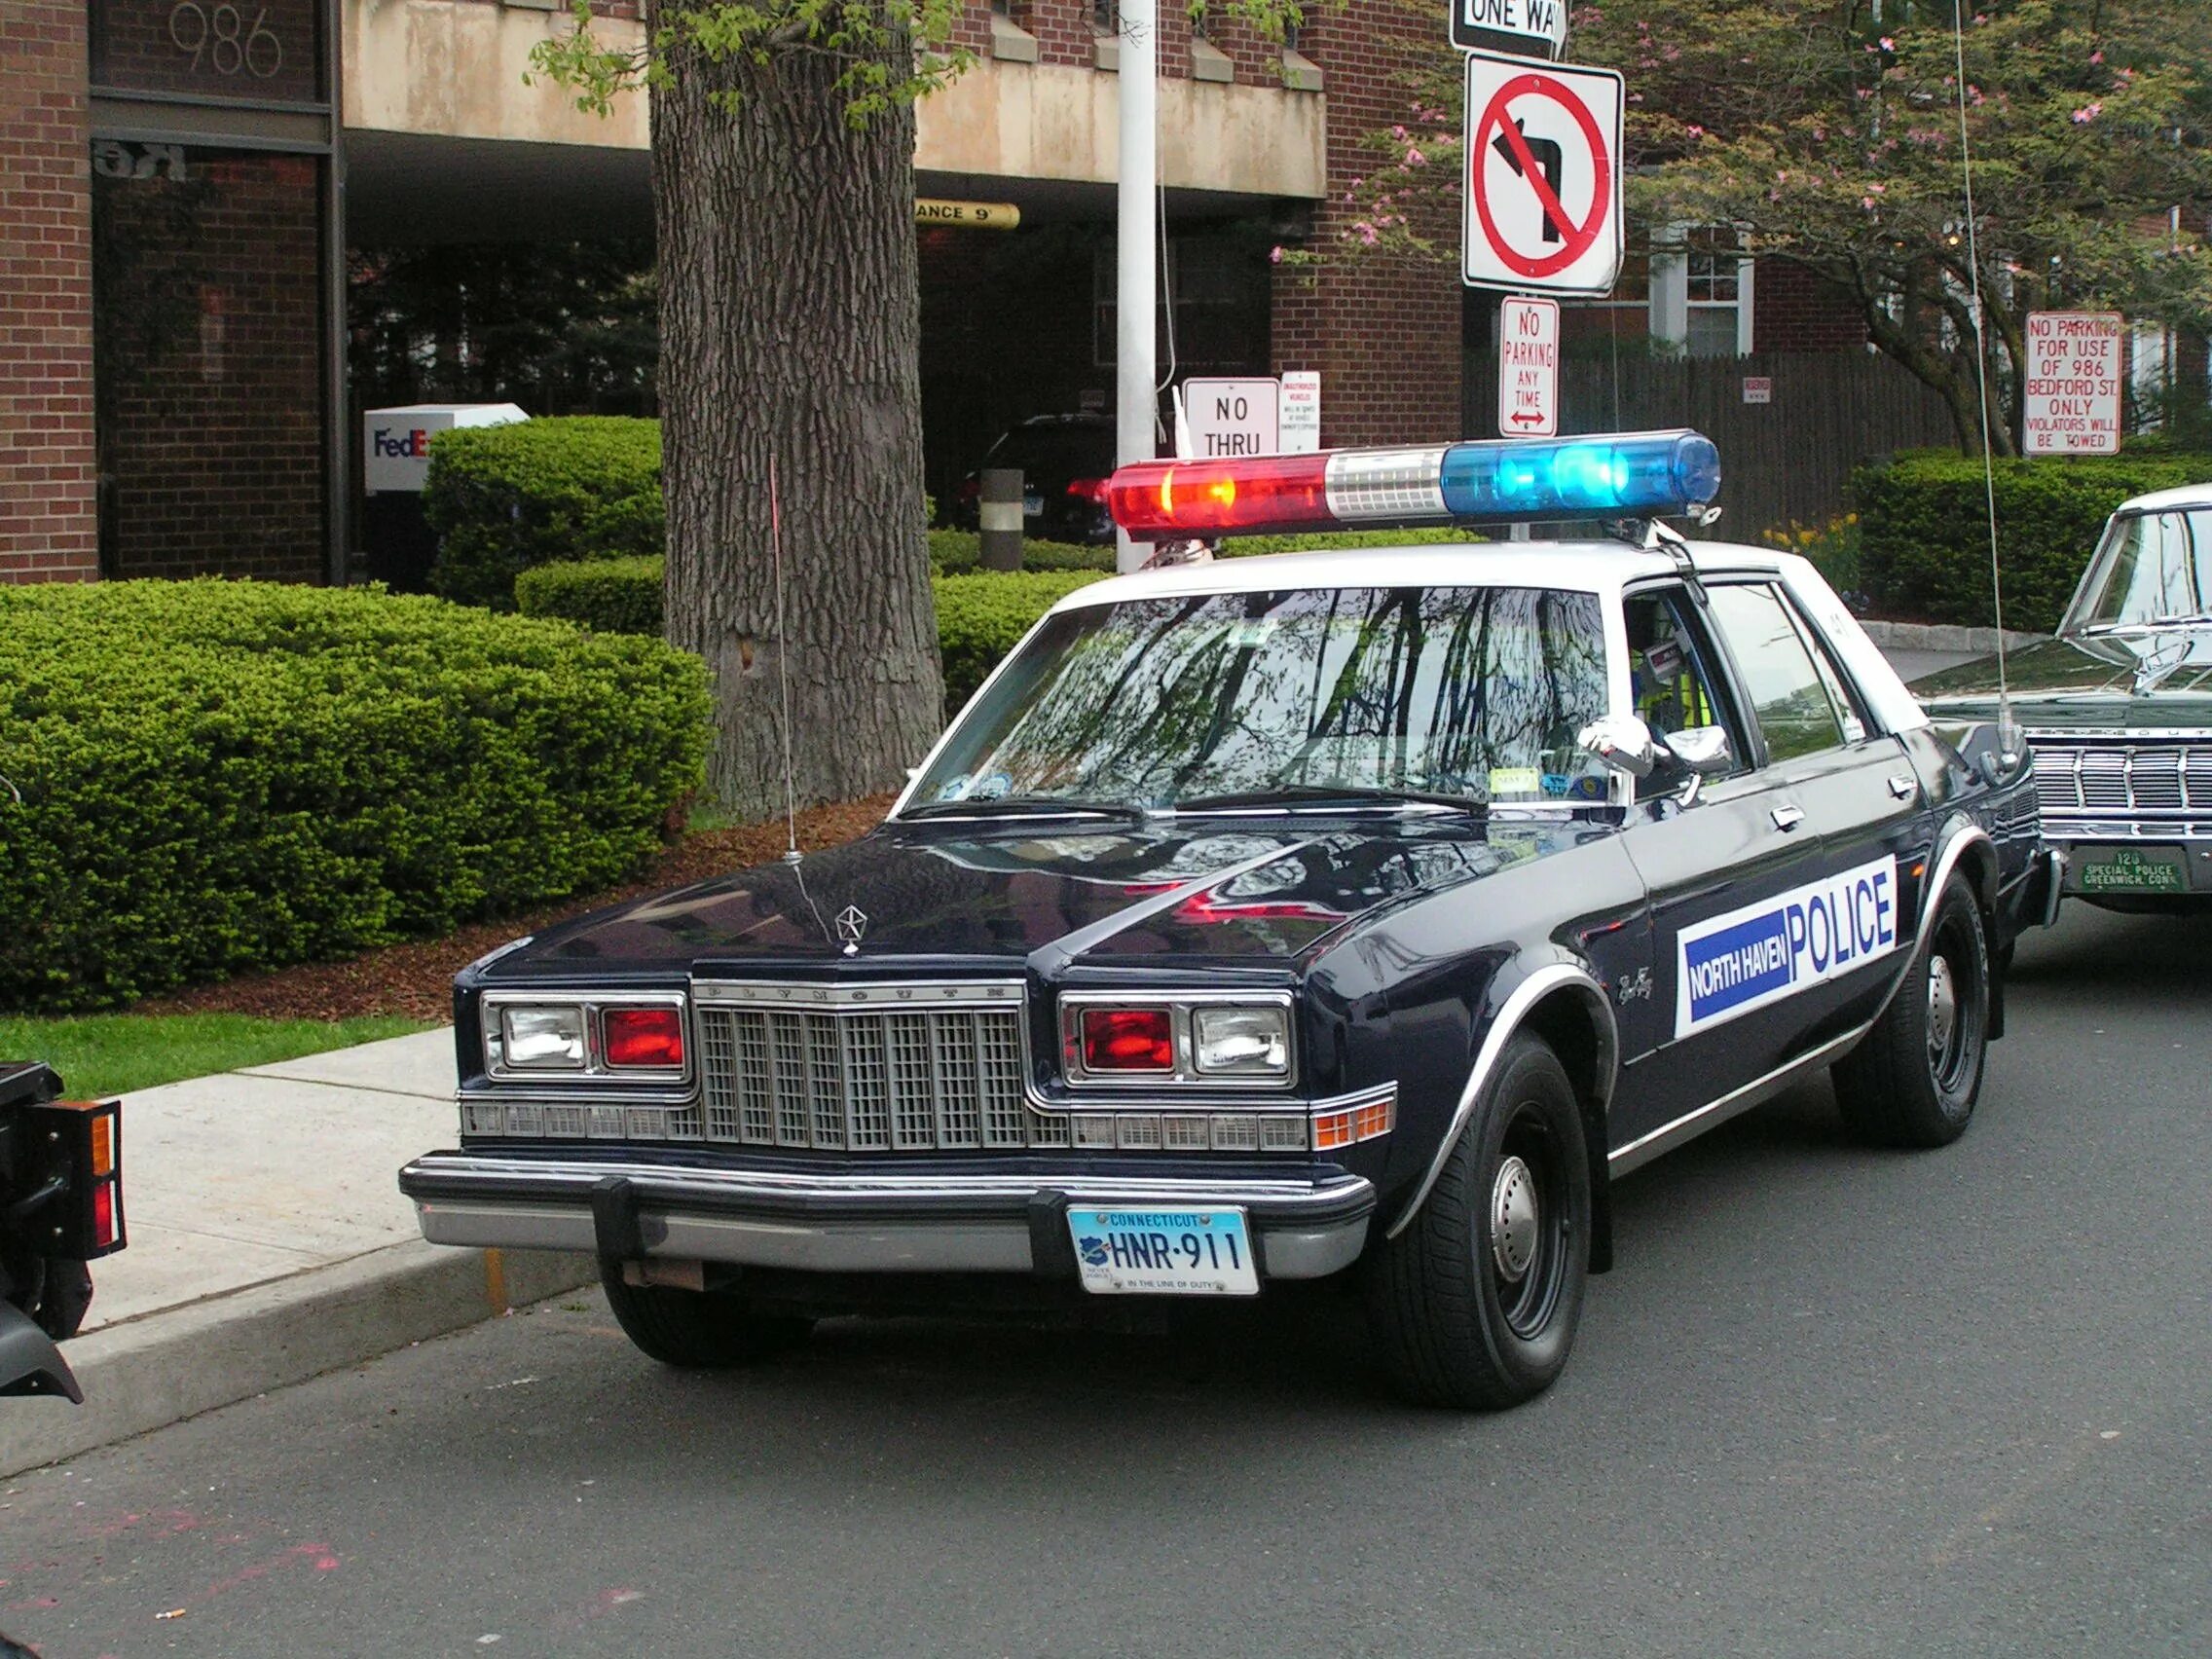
(1106, 16)
(1717, 281)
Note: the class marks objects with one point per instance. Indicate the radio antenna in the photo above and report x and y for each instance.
(783, 663)
(1981, 367)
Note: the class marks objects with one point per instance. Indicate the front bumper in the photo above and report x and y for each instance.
(629, 1206)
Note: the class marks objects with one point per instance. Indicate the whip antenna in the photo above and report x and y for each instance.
(1981, 367)
(783, 663)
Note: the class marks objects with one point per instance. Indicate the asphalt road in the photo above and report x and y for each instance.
(1831, 1402)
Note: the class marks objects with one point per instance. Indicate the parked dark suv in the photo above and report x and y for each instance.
(1064, 460)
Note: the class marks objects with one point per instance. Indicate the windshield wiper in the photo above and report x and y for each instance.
(1028, 806)
(1349, 794)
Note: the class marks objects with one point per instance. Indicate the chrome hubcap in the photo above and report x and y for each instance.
(1513, 1219)
(1942, 1008)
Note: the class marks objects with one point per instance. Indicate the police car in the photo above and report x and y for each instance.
(1274, 918)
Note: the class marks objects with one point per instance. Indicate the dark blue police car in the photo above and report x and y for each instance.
(1282, 917)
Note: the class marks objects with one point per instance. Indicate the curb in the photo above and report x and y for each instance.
(148, 1373)
(1944, 637)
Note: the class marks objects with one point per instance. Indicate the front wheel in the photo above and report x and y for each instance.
(1476, 1302)
(697, 1328)
(1915, 1077)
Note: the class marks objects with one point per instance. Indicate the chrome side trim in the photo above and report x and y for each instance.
(1714, 1113)
(1507, 1020)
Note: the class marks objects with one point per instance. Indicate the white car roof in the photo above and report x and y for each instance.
(2169, 501)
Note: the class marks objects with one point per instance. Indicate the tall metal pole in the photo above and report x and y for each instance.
(1137, 270)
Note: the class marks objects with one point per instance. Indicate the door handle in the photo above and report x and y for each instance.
(1787, 817)
(1902, 785)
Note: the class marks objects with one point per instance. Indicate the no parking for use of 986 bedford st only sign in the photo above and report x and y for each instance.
(1543, 176)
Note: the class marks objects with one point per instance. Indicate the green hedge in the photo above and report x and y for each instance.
(1248, 546)
(503, 498)
(960, 552)
(980, 617)
(216, 777)
(609, 596)
(1924, 531)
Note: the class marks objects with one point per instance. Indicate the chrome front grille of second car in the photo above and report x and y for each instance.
(883, 1068)
(2114, 778)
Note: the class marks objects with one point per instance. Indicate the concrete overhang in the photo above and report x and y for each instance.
(446, 140)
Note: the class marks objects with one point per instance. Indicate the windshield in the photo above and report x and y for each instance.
(1472, 693)
(2152, 566)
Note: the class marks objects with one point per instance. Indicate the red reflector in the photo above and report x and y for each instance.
(1195, 498)
(643, 1036)
(1128, 1039)
(103, 1214)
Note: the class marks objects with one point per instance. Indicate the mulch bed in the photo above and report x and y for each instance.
(416, 979)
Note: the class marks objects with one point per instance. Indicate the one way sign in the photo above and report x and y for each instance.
(1543, 176)
(1535, 29)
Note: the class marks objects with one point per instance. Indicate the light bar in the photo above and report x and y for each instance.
(1505, 480)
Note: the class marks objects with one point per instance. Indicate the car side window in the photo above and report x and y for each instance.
(1672, 673)
(1790, 699)
(1847, 705)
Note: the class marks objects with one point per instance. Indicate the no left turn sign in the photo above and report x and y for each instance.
(1543, 176)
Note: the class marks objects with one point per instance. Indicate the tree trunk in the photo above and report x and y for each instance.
(790, 311)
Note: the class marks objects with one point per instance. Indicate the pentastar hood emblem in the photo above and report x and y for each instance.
(851, 928)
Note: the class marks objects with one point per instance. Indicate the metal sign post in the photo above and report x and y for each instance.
(1543, 177)
(1136, 273)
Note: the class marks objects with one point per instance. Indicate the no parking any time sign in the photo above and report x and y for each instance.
(1543, 176)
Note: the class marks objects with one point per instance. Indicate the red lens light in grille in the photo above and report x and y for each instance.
(644, 1037)
(103, 1214)
(1127, 1040)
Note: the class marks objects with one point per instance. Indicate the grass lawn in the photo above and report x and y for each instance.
(103, 1054)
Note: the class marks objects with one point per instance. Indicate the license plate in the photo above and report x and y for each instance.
(2130, 869)
(1032, 504)
(1173, 1252)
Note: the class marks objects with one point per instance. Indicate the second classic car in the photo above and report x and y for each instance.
(1277, 918)
(2118, 708)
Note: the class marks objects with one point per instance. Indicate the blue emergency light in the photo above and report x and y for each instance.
(1505, 480)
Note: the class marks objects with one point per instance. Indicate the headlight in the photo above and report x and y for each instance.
(541, 1038)
(1231, 1041)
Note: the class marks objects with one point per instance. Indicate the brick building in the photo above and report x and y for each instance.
(182, 181)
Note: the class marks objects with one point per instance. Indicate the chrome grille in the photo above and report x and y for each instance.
(2076, 779)
(851, 1070)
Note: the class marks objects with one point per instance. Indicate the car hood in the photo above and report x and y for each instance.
(1240, 892)
(2152, 678)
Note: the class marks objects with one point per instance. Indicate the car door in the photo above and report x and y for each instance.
(1848, 792)
(1721, 864)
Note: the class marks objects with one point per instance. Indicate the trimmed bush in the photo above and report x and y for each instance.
(980, 617)
(960, 552)
(1924, 531)
(1250, 546)
(218, 777)
(504, 498)
(608, 596)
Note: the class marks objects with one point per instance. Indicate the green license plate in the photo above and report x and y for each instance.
(2130, 869)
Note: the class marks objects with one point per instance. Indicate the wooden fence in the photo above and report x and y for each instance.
(1780, 460)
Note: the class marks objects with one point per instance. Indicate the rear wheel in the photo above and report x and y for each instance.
(1914, 1080)
(697, 1328)
(1476, 1302)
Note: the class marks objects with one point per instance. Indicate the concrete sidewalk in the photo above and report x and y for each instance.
(269, 1242)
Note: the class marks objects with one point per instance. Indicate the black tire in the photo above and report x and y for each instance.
(1457, 1324)
(700, 1330)
(1914, 1080)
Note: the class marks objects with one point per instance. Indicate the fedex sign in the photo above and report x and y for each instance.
(396, 443)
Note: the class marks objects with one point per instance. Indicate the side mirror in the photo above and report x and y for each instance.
(1623, 743)
(1702, 751)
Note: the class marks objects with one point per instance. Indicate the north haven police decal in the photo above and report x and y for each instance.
(1782, 945)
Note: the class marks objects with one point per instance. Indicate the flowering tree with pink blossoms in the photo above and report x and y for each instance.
(1828, 133)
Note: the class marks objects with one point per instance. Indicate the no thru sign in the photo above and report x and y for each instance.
(1543, 176)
